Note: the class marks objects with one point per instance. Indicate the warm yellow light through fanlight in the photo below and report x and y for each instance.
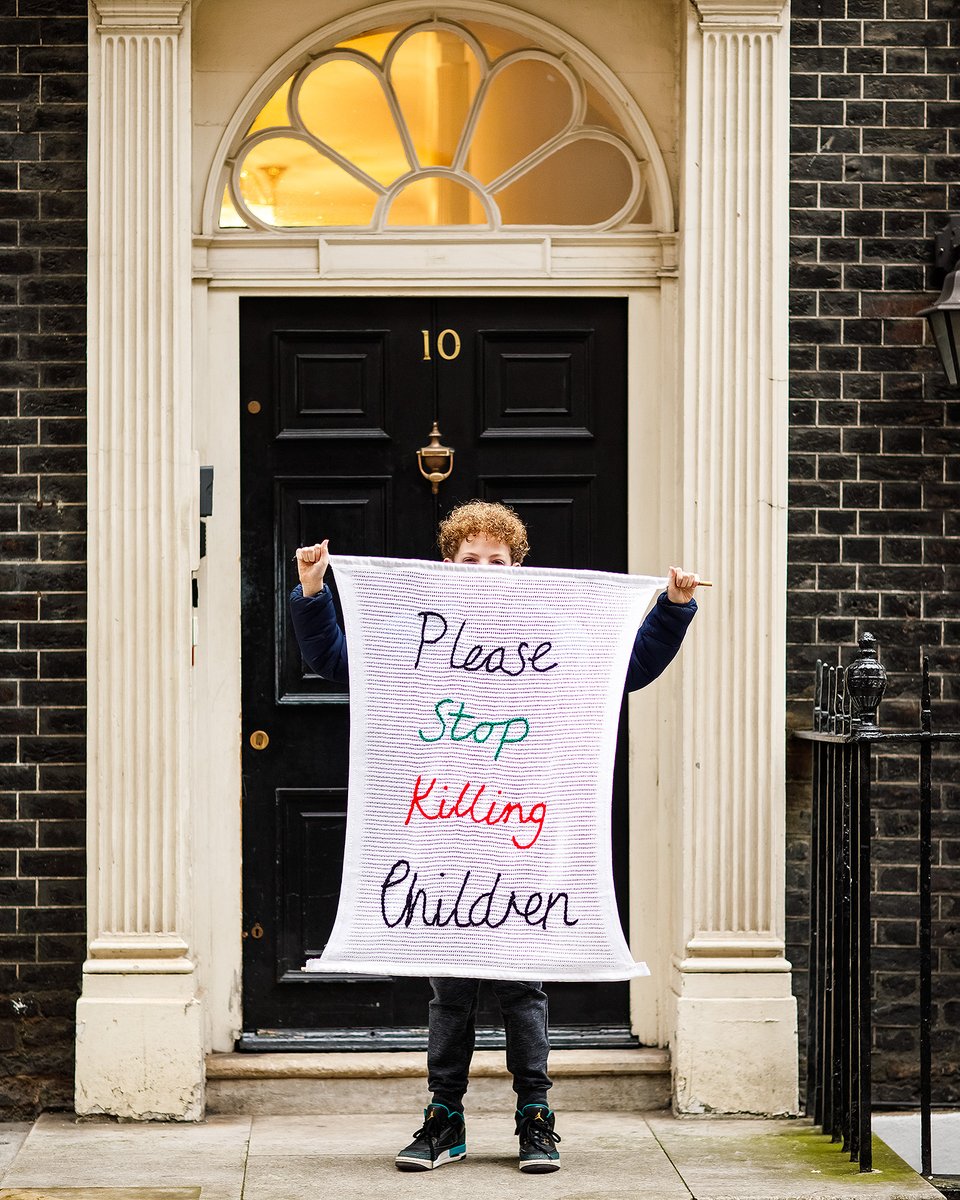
(435, 75)
(286, 180)
(541, 94)
(343, 104)
(435, 201)
(374, 43)
(274, 112)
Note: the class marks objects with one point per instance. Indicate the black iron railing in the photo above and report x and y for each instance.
(839, 1025)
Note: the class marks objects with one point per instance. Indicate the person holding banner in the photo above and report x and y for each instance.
(483, 534)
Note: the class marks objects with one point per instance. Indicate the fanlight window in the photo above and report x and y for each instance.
(437, 124)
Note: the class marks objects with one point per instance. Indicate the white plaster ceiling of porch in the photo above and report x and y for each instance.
(234, 45)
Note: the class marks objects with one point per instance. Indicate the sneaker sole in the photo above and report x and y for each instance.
(425, 1164)
(539, 1168)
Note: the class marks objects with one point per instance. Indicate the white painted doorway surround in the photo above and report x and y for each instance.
(707, 454)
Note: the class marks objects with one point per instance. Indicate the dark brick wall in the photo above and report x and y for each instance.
(874, 463)
(42, 545)
(875, 488)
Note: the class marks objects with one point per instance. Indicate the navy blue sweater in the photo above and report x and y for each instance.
(324, 646)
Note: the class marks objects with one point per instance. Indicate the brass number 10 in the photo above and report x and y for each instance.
(442, 345)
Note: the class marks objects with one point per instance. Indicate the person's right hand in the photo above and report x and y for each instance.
(312, 563)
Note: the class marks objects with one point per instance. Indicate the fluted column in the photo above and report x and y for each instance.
(139, 1041)
(735, 1020)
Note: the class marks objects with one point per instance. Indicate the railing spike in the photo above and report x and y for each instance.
(818, 696)
(926, 714)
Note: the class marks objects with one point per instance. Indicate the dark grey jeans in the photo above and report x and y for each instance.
(453, 1014)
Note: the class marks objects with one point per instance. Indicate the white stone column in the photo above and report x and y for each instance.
(734, 1023)
(139, 1029)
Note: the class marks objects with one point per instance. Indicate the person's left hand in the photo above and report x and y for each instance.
(681, 585)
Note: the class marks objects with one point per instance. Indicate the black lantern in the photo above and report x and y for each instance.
(944, 315)
(944, 318)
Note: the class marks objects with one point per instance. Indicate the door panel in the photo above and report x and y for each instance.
(535, 384)
(531, 393)
(555, 509)
(350, 512)
(332, 382)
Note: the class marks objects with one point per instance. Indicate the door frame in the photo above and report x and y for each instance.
(654, 729)
(161, 957)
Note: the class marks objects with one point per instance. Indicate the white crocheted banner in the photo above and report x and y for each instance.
(484, 706)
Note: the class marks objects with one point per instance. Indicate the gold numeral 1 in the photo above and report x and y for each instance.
(426, 344)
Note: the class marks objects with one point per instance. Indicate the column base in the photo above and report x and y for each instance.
(734, 1043)
(140, 1041)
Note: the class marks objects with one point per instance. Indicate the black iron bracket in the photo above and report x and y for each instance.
(946, 251)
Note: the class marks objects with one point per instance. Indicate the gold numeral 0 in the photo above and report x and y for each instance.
(442, 347)
(456, 344)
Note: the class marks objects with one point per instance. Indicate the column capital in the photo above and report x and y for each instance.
(140, 16)
(740, 16)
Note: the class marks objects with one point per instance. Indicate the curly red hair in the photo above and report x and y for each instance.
(496, 521)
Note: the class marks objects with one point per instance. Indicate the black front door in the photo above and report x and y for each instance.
(337, 395)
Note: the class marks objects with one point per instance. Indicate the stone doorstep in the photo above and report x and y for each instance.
(395, 1081)
(412, 1064)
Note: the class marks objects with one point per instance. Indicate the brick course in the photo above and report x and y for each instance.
(42, 545)
(874, 467)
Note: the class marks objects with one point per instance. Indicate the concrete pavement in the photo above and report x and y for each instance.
(606, 1156)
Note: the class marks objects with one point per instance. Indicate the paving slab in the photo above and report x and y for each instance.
(781, 1159)
(100, 1194)
(605, 1156)
(481, 1176)
(901, 1132)
(327, 1136)
(12, 1136)
(62, 1151)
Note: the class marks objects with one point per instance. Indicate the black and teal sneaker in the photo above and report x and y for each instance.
(442, 1138)
(538, 1139)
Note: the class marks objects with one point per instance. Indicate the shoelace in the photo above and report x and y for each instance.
(430, 1129)
(538, 1133)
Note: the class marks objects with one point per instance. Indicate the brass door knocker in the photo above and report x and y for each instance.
(435, 460)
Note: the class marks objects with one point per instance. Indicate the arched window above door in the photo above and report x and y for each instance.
(438, 124)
